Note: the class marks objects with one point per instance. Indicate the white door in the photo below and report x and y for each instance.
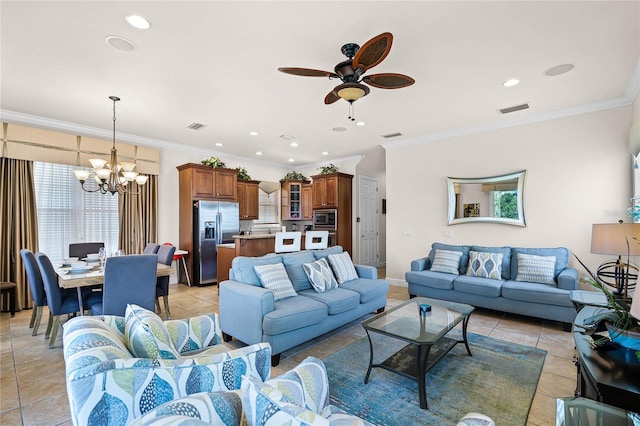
(368, 215)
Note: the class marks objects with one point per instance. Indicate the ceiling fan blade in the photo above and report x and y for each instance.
(307, 72)
(388, 80)
(331, 98)
(373, 52)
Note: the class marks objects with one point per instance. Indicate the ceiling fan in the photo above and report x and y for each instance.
(351, 71)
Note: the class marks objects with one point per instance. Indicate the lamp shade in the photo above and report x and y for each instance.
(612, 238)
(635, 307)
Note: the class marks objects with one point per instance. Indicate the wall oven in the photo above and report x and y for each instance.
(325, 219)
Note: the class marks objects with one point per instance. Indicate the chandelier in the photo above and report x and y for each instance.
(110, 176)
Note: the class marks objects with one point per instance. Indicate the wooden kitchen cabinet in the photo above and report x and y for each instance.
(307, 202)
(206, 183)
(291, 199)
(331, 190)
(248, 198)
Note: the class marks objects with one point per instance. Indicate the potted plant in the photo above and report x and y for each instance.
(242, 173)
(213, 162)
(293, 176)
(327, 169)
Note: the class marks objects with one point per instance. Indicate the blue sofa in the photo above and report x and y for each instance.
(250, 313)
(548, 301)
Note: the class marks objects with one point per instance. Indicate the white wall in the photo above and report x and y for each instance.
(578, 173)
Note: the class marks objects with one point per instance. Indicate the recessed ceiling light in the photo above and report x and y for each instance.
(558, 70)
(291, 160)
(360, 123)
(511, 82)
(325, 153)
(339, 129)
(120, 43)
(253, 133)
(293, 144)
(258, 152)
(138, 22)
(218, 144)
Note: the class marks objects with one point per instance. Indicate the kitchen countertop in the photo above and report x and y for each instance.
(227, 245)
(260, 236)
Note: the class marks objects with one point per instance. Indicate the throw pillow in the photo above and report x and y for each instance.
(146, 335)
(536, 269)
(446, 261)
(342, 267)
(485, 265)
(275, 278)
(320, 275)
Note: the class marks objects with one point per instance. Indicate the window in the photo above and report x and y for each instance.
(505, 204)
(269, 205)
(67, 214)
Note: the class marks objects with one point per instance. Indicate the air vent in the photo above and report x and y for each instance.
(196, 126)
(392, 135)
(514, 108)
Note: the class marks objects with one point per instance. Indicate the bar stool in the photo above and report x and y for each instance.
(10, 289)
(178, 257)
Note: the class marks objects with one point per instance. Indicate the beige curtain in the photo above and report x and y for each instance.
(139, 217)
(19, 227)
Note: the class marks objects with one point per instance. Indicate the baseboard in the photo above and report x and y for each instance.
(397, 282)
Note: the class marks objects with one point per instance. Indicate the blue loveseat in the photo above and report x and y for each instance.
(250, 313)
(505, 291)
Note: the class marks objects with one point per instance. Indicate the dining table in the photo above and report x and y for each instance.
(94, 276)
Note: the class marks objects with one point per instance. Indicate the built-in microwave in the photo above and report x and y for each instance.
(324, 219)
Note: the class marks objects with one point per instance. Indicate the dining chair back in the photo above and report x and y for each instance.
(127, 280)
(165, 255)
(288, 241)
(59, 302)
(36, 286)
(314, 240)
(151, 248)
(83, 249)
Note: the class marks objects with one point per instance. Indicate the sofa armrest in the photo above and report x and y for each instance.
(195, 333)
(242, 308)
(568, 279)
(421, 264)
(366, 271)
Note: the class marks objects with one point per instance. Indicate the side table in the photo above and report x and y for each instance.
(586, 412)
(582, 298)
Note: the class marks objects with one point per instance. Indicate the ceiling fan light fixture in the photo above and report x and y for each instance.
(351, 92)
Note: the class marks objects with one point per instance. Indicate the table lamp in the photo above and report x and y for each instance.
(621, 239)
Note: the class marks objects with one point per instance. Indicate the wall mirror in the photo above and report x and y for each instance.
(497, 199)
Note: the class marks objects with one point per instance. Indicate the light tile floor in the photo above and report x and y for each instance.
(32, 377)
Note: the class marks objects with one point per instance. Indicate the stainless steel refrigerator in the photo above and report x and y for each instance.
(215, 222)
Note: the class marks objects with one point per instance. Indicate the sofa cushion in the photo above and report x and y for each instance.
(342, 267)
(243, 267)
(293, 263)
(294, 313)
(194, 333)
(561, 254)
(440, 246)
(447, 261)
(146, 335)
(338, 300)
(506, 257)
(368, 289)
(274, 277)
(319, 254)
(536, 293)
(431, 279)
(320, 275)
(481, 286)
(536, 269)
(485, 265)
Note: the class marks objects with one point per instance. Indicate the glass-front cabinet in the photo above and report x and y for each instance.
(292, 199)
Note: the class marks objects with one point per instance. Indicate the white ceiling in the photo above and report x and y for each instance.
(215, 63)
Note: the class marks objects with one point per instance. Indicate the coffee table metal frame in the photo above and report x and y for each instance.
(423, 333)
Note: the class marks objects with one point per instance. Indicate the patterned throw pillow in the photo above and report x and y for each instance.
(195, 333)
(320, 275)
(485, 265)
(446, 261)
(342, 267)
(536, 269)
(275, 278)
(146, 335)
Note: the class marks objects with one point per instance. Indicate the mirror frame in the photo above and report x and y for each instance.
(451, 182)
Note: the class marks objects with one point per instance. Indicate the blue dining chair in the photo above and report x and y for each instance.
(36, 286)
(165, 256)
(127, 279)
(151, 248)
(60, 302)
(83, 249)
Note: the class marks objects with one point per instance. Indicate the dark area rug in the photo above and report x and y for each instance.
(499, 380)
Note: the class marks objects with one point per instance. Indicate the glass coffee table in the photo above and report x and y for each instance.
(425, 334)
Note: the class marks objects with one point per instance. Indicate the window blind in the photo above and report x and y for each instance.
(68, 214)
(268, 206)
